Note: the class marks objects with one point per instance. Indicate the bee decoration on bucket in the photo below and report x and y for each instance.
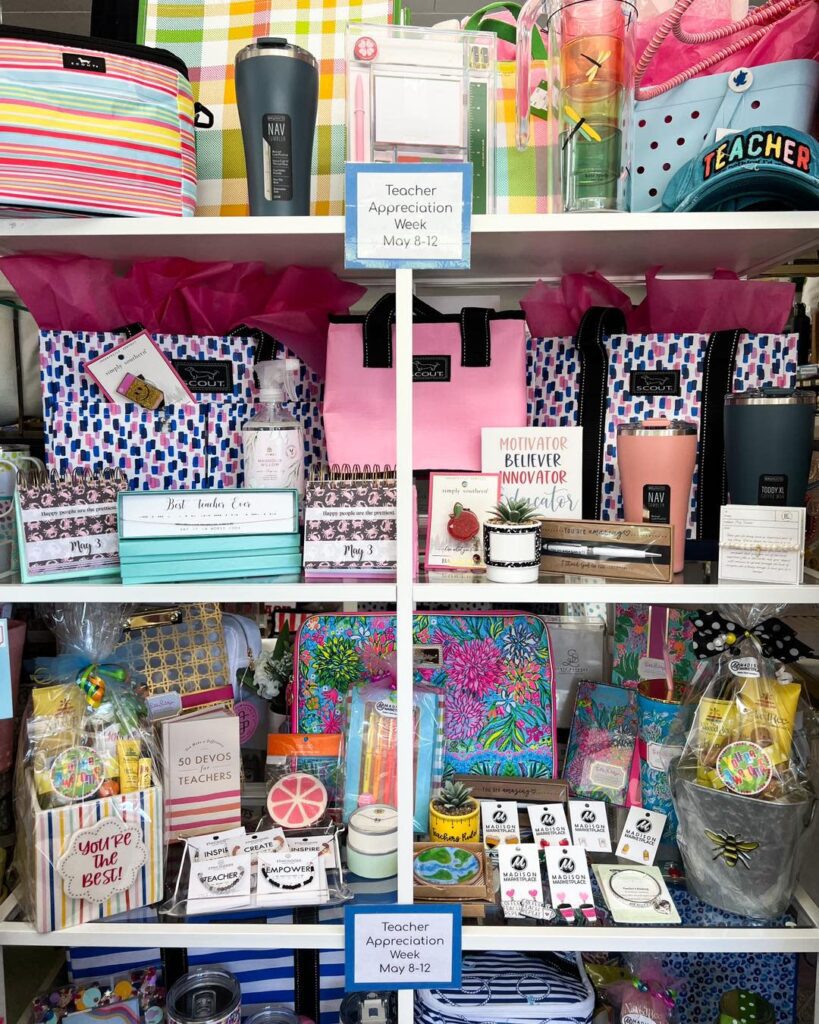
(733, 849)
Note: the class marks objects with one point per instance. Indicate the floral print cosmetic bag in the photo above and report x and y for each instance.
(495, 670)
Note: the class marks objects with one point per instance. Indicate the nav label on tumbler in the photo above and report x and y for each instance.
(278, 157)
(773, 489)
(656, 503)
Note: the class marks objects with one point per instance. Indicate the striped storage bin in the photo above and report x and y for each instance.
(91, 127)
(501, 987)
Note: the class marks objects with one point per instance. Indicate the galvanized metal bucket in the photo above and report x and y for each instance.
(741, 854)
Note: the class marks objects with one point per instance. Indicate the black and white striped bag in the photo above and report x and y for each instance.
(512, 988)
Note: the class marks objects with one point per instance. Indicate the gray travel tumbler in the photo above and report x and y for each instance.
(768, 445)
(277, 96)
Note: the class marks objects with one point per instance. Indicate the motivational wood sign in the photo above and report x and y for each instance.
(540, 465)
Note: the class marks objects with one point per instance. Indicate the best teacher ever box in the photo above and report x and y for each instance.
(95, 859)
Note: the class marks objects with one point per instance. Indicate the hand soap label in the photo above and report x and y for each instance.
(590, 825)
(549, 825)
(500, 822)
(274, 457)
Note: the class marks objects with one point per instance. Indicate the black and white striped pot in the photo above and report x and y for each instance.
(511, 551)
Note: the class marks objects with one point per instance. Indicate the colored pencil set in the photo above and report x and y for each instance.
(377, 779)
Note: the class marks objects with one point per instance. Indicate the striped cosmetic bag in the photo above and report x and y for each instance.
(512, 988)
(91, 127)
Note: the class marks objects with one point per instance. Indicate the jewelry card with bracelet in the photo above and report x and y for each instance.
(762, 543)
(291, 878)
(221, 883)
(636, 894)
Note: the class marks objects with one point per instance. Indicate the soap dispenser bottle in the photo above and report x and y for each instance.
(273, 439)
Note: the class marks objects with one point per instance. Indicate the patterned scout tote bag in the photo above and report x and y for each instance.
(604, 377)
(207, 35)
(191, 446)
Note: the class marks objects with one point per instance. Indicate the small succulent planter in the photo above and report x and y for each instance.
(511, 551)
(454, 816)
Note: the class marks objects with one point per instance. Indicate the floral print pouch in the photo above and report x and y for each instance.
(601, 742)
(495, 670)
(631, 633)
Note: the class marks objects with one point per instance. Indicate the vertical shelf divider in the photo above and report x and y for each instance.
(402, 361)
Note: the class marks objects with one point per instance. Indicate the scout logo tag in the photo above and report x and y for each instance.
(102, 860)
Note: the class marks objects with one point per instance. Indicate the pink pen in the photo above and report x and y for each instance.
(358, 118)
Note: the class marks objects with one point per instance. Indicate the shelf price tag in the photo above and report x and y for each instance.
(408, 216)
(402, 946)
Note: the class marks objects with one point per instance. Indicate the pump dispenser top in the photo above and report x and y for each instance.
(277, 379)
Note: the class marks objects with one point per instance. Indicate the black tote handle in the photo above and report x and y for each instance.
(595, 325)
(717, 381)
(377, 333)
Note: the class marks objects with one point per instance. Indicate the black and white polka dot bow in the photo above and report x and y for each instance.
(713, 633)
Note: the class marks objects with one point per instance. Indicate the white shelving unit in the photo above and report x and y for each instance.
(505, 250)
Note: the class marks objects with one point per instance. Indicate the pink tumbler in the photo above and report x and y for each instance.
(656, 460)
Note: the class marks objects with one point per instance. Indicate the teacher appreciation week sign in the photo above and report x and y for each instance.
(543, 465)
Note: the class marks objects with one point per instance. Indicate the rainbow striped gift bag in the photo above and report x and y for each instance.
(95, 859)
(207, 35)
(91, 127)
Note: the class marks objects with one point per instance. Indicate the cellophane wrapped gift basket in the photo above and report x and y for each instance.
(742, 788)
(89, 806)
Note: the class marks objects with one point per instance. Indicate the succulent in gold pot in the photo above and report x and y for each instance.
(454, 815)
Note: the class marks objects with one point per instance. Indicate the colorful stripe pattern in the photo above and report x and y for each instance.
(522, 179)
(53, 830)
(553, 375)
(191, 446)
(85, 142)
(207, 36)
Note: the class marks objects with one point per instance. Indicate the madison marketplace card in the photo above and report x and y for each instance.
(459, 505)
(569, 881)
(641, 835)
(590, 825)
(541, 465)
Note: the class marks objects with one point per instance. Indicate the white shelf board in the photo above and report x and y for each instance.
(185, 935)
(455, 589)
(642, 939)
(511, 247)
(240, 591)
(325, 936)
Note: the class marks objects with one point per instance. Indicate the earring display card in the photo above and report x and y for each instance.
(67, 525)
(397, 75)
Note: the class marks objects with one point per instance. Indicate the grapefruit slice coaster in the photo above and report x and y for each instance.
(297, 800)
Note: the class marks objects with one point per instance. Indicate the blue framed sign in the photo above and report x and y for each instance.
(415, 216)
(402, 946)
